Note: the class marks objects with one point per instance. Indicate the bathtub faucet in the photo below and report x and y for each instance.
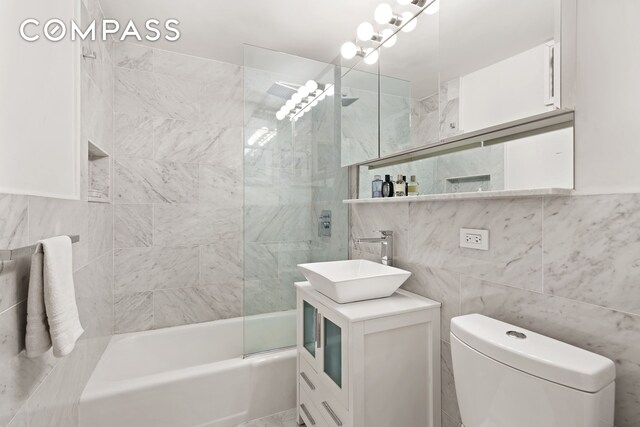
(386, 243)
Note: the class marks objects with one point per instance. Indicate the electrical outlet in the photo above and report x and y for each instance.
(474, 239)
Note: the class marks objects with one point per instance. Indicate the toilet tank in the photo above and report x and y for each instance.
(506, 376)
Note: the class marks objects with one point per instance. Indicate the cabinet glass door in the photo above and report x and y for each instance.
(309, 327)
(332, 351)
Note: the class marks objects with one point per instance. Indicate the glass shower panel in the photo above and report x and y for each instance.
(292, 178)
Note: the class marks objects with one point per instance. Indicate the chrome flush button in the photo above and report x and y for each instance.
(516, 334)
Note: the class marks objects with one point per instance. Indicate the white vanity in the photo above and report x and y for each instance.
(372, 363)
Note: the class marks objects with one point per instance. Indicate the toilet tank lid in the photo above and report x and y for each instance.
(534, 354)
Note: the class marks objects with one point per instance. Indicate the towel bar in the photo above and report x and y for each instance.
(11, 254)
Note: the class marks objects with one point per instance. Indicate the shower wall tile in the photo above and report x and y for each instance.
(133, 312)
(221, 262)
(195, 224)
(136, 93)
(178, 98)
(611, 333)
(178, 186)
(174, 307)
(55, 217)
(145, 269)
(100, 236)
(133, 226)
(592, 250)
(280, 223)
(133, 136)
(149, 181)
(13, 220)
(19, 376)
(133, 56)
(196, 142)
(264, 260)
(14, 275)
(222, 100)
(221, 185)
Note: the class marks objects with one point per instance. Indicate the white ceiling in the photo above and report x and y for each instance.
(466, 34)
(217, 29)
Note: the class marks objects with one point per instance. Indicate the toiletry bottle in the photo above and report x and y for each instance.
(376, 186)
(400, 187)
(414, 187)
(406, 185)
(387, 187)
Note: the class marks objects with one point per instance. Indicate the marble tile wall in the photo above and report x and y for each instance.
(178, 189)
(564, 267)
(45, 391)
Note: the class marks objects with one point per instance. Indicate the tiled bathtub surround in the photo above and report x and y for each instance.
(178, 189)
(565, 267)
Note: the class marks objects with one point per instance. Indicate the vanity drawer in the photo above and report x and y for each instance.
(334, 413)
(309, 413)
(308, 379)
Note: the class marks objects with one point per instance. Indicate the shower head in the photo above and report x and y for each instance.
(346, 101)
(283, 90)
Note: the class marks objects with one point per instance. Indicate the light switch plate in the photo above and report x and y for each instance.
(474, 239)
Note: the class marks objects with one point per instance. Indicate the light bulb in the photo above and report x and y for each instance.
(296, 98)
(365, 31)
(383, 14)
(349, 50)
(303, 91)
(404, 2)
(372, 56)
(409, 22)
(290, 105)
(312, 86)
(322, 96)
(388, 37)
(280, 115)
(314, 103)
(433, 8)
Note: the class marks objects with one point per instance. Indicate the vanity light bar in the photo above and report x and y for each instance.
(384, 15)
(304, 100)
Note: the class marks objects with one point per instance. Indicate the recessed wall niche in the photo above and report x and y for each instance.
(99, 167)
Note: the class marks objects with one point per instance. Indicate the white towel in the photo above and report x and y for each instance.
(52, 313)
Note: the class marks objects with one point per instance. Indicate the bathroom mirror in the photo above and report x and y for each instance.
(359, 115)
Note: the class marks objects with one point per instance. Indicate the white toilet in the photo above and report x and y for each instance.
(506, 376)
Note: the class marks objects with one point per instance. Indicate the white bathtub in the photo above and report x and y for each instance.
(193, 375)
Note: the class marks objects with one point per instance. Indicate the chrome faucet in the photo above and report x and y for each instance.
(386, 241)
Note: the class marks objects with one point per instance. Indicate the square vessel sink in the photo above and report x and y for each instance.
(353, 280)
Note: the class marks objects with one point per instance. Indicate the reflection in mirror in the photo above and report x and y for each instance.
(497, 62)
(359, 116)
(534, 160)
(409, 87)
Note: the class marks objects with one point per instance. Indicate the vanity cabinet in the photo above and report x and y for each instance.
(371, 363)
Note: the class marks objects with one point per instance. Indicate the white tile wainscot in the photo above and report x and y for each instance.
(366, 363)
(500, 194)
